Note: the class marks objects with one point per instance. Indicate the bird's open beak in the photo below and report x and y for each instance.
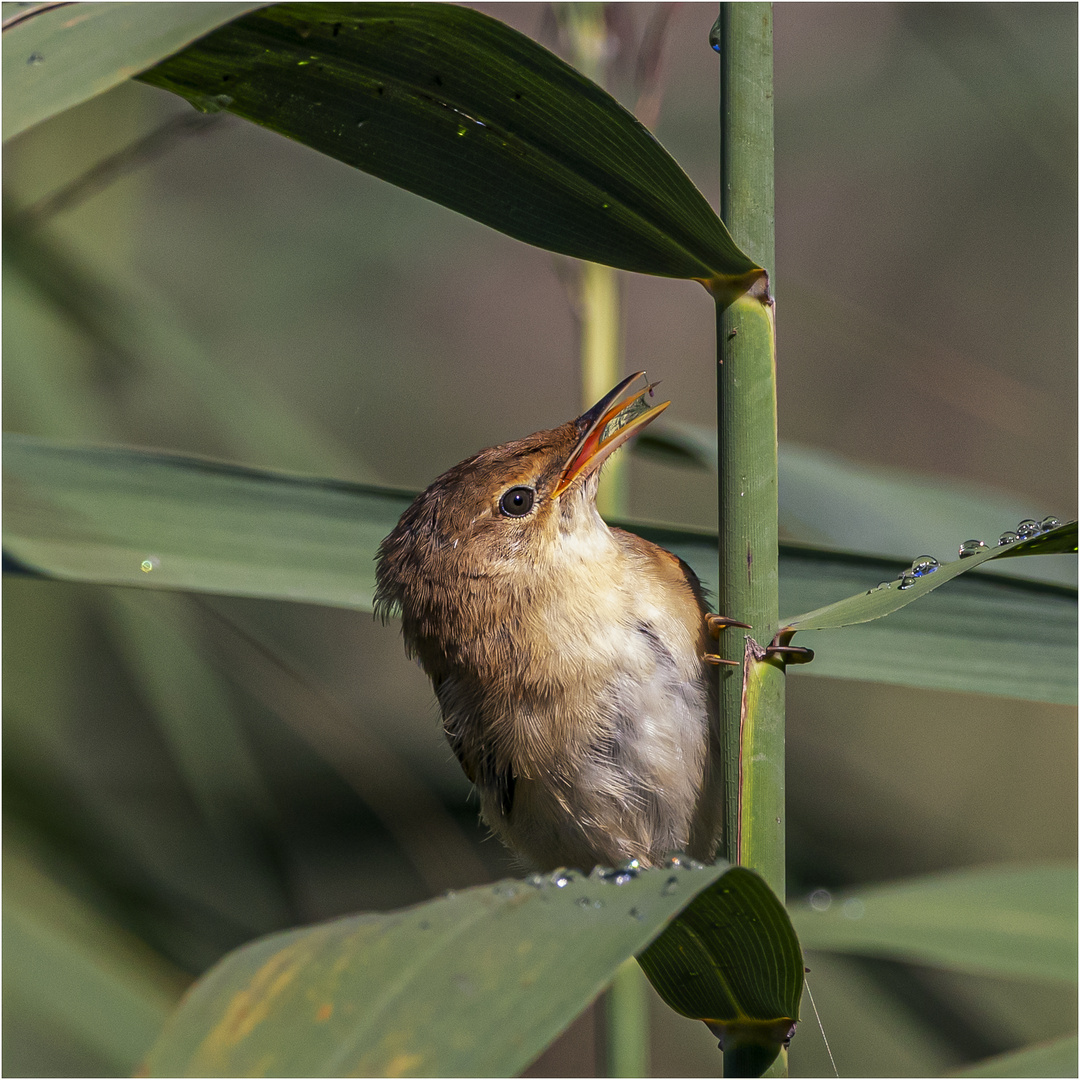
(607, 425)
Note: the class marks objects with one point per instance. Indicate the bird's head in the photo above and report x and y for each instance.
(498, 514)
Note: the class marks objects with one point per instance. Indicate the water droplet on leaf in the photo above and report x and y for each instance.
(923, 565)
(971, 547)
(1007, 538)
(1048, 523)
(1027, 528)
(670, 886)
(35, 58)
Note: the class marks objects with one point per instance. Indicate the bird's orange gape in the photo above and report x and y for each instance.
(571, 660)
(610, 422)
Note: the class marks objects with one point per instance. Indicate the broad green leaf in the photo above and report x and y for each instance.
(988, 635)
(473, 984)
(127, 517)
(458, 107)
(98, 515)
(826, 500)
(58, 55)
(1008, 921)
(70, 963)
(889, 596)
(732, 959)
(1055, 1058)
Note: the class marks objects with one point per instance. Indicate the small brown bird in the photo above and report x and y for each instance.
(568, 657)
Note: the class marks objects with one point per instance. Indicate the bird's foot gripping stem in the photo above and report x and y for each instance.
(780, 648)
(714, 624)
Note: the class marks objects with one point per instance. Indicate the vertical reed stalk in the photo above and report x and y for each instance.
(752, 714)
(751, 702)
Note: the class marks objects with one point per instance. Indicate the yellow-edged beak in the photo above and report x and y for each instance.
(607, 425)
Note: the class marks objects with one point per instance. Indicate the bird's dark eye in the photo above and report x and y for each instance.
(517, 502)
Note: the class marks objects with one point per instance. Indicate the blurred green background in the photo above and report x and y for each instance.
(184, 773)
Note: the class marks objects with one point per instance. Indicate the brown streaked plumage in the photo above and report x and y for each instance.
(567, 656)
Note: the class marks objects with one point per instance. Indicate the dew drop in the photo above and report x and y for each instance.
(450, 894)
(617, 877)
(1007, 538)
(1048, 523)
(620, 875)
(34, 59)
(670, 886)
(1027, 529)
(821, 899)
(714, 36)
(907, 581)
(971, 547)
(635, 913)
(923, 565)
(560, 878)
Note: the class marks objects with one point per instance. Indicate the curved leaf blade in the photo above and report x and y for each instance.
(60, 57)
(461, 109)
(96, 514)
(732, 959)
(983, 634)
(891, 596)
(475, 984)
(1002, 921)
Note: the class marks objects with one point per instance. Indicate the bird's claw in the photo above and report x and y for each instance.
(714, 624)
